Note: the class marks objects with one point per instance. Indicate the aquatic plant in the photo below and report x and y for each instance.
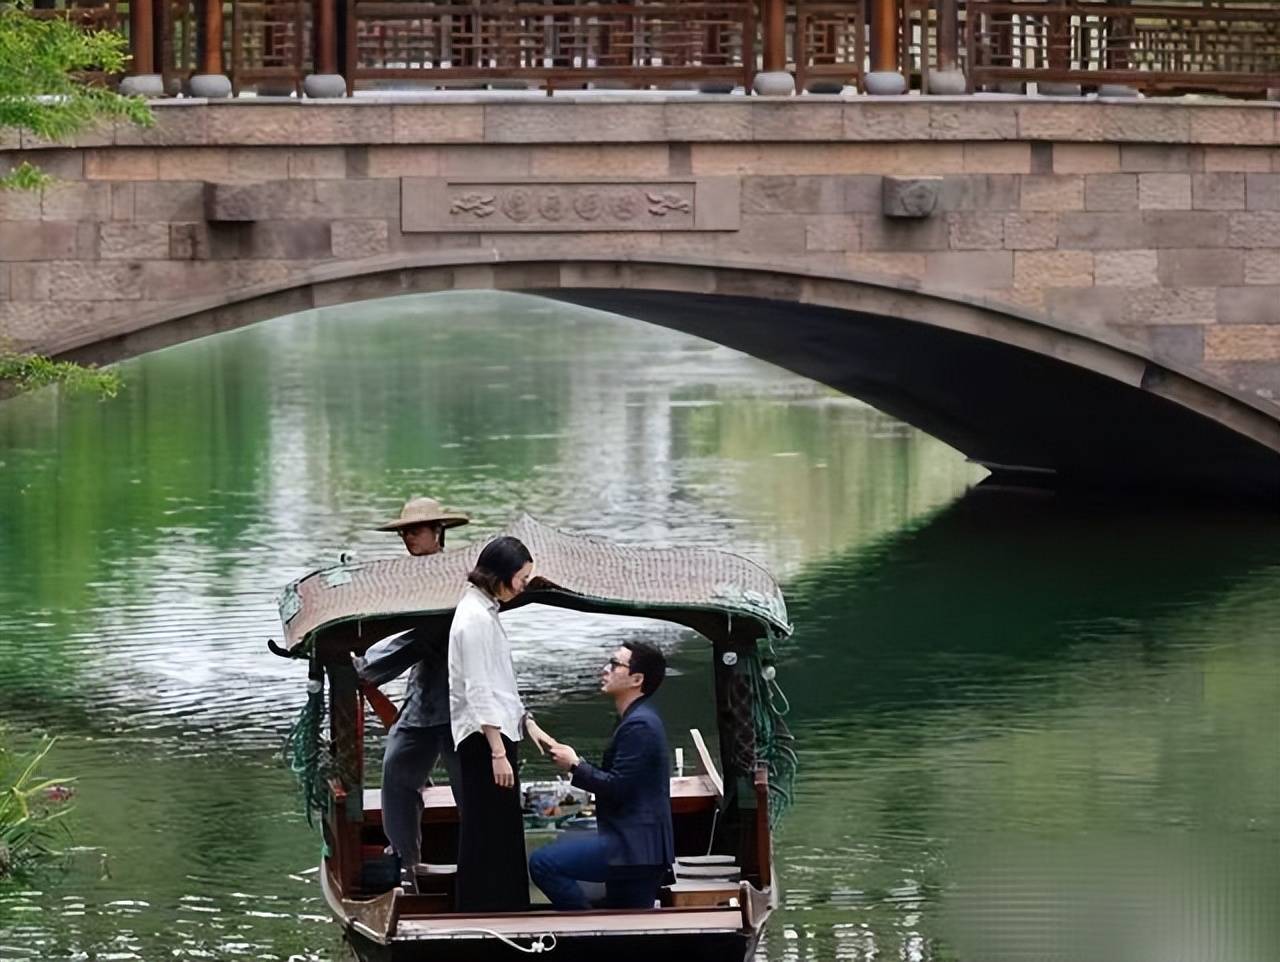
(31, 811)
(26, 372)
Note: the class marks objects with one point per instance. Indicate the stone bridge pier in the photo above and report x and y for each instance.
(1086, 291)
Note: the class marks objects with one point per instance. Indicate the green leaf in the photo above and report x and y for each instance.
(28, 825)
(27, 372)
(45, 60)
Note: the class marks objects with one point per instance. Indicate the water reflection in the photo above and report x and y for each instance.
(144, 540)
(1028, 728)
(1052, 731)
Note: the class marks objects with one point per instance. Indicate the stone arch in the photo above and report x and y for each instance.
(1021, 394)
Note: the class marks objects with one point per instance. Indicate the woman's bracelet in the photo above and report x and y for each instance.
(499, 757)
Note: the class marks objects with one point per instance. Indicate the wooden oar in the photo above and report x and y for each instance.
(382, 706)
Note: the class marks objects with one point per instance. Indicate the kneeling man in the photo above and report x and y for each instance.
(633, 849)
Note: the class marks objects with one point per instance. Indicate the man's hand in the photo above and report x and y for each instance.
(564, 757)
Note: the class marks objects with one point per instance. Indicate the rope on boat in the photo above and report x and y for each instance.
(775, 745)
(546, 942)
(306, 751)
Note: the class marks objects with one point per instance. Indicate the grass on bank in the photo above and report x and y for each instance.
(27, 372)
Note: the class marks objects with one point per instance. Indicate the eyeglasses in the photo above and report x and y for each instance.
(614, 663)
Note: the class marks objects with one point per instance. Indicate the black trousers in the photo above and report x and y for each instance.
(493, 875)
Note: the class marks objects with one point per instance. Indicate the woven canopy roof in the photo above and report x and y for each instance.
(722, 595)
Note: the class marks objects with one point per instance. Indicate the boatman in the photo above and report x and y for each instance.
(633, 848)
(422, 732)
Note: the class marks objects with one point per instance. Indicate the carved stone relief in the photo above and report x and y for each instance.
(446, 204)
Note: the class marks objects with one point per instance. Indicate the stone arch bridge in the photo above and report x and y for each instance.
(1081, 292)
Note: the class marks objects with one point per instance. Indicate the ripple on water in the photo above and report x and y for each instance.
(996, 702)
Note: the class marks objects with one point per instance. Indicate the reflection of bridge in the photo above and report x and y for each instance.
(1040, 284)
(274, 45)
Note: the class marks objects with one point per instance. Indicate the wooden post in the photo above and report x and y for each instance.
(141, 37)
(160, 25)
(1059, 41)
(346, 732)
(326, 37)
(885, 77)
(211, 37)
(884, 36)
(775, 36)
(1118, 40)
(764, 838)
(948, 35)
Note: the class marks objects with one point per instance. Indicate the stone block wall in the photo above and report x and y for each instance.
(1155, 221)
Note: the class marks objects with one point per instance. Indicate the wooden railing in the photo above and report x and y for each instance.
(830, 43)
(270, 44)
(1156, 47)
(556, 44)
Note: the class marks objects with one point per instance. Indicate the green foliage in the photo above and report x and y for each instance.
(44, 57)
(26, 176)
(43, 60)
(29, 822)
(26, 372)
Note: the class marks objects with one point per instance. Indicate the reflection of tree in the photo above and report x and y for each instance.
(101, 492)
(828, 474)
(1007, 583)
(1025, 669)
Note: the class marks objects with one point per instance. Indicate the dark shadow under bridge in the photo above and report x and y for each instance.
(1031, 399)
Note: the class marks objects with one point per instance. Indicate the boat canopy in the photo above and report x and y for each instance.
(721, 595)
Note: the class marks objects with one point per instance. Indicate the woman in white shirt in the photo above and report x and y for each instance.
(488, 717)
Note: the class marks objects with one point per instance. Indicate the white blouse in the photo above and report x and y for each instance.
(482, 677)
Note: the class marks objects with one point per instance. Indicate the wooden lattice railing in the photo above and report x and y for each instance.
(1157, 46)
(830, 42)
(1209, 45)
(554, 43)
(270, 43)
(267, 46)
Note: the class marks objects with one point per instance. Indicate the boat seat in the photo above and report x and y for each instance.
(426, 868)
(698, 893)
(435, 879)
(721, 868)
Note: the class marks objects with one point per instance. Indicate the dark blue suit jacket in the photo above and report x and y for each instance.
(633, 790)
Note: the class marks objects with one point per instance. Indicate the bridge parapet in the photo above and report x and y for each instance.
(943, 46)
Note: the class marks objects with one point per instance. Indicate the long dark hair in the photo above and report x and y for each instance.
(498, 563)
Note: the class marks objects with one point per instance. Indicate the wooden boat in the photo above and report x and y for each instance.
(733, 603)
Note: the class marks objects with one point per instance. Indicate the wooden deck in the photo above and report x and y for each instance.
(529, 924)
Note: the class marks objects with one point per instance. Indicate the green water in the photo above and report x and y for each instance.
(1029, 730)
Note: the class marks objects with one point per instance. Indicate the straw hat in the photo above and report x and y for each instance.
(424, 511)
